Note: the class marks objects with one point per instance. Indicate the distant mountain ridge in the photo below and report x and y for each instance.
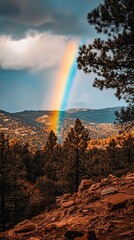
(105, 115)
(34, 126)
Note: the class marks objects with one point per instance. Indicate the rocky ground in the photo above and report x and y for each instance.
(99, 211)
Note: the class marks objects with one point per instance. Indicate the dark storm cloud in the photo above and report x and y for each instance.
(66, 25)
(18, 16)
(8, 8)
(60, 17)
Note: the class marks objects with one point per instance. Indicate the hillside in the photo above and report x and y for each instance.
(16, 128)
(105, 115)
(34, 126)
(100, 210)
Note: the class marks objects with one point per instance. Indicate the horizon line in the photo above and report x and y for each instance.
(56, 110)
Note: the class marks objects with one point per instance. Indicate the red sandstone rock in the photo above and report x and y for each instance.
(97, 207)
(118, 200)
(25, 228)
(68, 204)
(50, 227)
(85, 184)
(109, 190)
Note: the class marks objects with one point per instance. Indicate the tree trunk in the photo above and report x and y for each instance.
(77, 167)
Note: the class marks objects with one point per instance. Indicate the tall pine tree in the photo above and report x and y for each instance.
(49, 156)
(112, 58)
(125, 115)
(128, 148)
(4, 172)
(76, 145)
(17, 177)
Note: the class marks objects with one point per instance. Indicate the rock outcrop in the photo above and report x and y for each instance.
(99, 211)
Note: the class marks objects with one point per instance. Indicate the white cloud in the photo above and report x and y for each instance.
(37, 51)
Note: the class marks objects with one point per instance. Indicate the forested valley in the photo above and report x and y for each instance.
(31, 180)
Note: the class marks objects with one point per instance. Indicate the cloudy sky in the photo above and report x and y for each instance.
(34, 35)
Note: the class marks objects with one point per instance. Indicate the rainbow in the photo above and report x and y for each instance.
(64, 82)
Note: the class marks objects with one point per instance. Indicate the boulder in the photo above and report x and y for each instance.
(118, 200)
(50, 227)
(68, 204)
(109, 190)
(94, 187)
(63, 198)
(112, 178)
(25, 228)
(66, 196)
(94, 197)
(84, 185)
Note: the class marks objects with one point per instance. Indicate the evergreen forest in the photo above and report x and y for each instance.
(30, 181)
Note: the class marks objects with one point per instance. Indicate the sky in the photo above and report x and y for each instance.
(34, 36)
